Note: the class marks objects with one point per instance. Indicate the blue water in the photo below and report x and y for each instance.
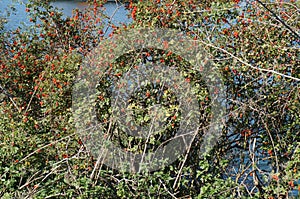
(20, 17)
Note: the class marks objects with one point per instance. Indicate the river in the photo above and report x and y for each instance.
(19, 16)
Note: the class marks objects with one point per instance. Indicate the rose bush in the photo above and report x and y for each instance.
(253, 44)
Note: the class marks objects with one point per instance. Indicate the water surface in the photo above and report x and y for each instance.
(19, 16)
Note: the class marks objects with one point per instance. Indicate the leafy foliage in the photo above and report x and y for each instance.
(253, 44)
